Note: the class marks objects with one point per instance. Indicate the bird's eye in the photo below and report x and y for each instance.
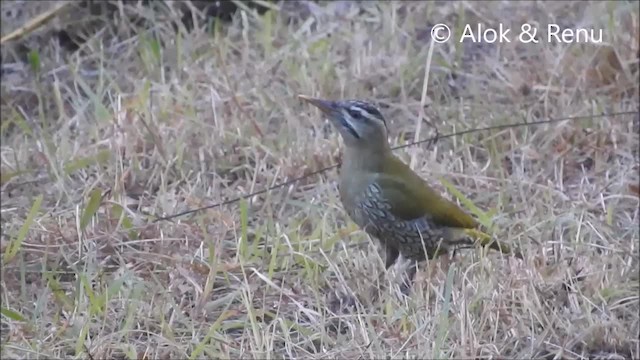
(356, 114)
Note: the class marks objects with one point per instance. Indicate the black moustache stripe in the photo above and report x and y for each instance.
(351, 130)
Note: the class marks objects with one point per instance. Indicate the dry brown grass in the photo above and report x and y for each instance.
(157, 121)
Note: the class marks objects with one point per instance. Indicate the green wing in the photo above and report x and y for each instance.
(410, 197)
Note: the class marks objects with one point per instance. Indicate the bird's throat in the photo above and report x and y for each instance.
(357, 160)
(359, 167)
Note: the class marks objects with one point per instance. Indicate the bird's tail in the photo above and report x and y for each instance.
(485, 239)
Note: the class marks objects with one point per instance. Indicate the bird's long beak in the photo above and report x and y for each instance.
(326, 106)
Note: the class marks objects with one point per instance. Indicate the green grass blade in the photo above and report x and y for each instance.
(482, 216)
(213, 330)
(83, 162)
(443, 322)
(58, 293)
(94, 305)
(100, 111)
(13, 315)
(244, 229)
(14, 246)
(34, 61)
(90, 210)
(8, 175)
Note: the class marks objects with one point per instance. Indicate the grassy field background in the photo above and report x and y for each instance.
(148, 119)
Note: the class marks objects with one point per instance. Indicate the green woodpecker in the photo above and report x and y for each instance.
(389, 201)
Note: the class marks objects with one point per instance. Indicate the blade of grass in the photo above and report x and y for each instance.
(17, 119)
(94, 306)
(58, 292)
(100, 111)
(15, 244)
(483, 217)
(443, 322)
(80, 341)
(83, 162)
(34, 61)
(8, 175)
(213, 330)
(243, 247)
(13, 315)
(95, 198)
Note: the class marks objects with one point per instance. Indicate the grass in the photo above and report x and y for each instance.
(153, 120)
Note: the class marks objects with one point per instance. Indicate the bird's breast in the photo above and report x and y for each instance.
(368, 208)
(352, 195)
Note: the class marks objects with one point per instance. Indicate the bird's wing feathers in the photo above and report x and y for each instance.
(410, 197)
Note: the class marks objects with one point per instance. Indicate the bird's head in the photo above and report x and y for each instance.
(360, 124)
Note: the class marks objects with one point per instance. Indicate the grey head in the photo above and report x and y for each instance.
(359, 122)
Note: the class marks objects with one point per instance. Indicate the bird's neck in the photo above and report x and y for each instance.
(356, 159)
(359, 167)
